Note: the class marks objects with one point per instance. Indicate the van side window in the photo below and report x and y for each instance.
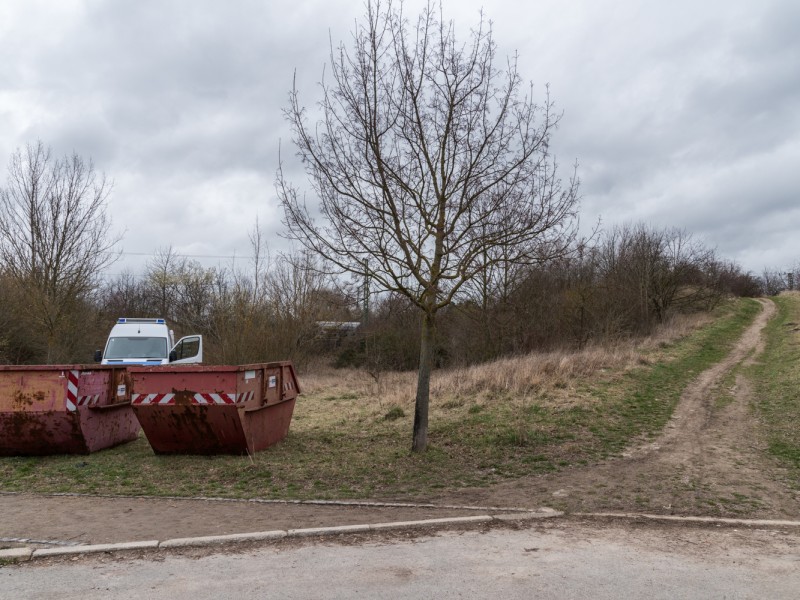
(187, 348)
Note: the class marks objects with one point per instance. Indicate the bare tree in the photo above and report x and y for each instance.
(773, 282)
(125, 295)
(165, 274)
(426, 158)
(55, 235)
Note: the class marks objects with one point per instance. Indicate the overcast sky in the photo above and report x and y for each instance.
(681, 114)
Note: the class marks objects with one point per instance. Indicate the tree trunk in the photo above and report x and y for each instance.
(420, 442)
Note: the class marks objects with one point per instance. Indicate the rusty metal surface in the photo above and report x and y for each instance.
(199, 409)
(268, 425)
(108, 426)
(192, 429)
(64, 409)
(41, 433)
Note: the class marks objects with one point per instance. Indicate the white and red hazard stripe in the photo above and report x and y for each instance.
(202, 399)
(72, 390)
(152, 398)
(73, 401)
(87, 400)
(214, 399)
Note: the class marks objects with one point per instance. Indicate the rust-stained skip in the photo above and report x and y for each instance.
(63, 409)
(192, 409)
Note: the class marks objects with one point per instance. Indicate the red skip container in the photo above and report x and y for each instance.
(194, 409)
(64, 409)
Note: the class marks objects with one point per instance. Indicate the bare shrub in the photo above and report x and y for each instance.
(55, 240)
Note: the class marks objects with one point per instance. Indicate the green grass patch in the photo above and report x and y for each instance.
(777, 377)
(353, 445)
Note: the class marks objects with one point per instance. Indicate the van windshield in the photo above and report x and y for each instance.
(136, 347)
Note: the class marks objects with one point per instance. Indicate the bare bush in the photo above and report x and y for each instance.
(55, 241)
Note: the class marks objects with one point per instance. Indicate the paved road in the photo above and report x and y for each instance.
(557, 559)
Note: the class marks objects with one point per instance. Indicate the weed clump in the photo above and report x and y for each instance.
(394, 413)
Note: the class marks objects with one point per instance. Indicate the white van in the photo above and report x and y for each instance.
(134, 341)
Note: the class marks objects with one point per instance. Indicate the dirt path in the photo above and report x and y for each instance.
(709, 460)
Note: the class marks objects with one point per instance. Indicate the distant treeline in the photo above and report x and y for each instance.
(621, 283)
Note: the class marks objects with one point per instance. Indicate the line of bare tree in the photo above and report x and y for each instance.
(773, 281)
(269, 312)
(627, 281)
(622, 284)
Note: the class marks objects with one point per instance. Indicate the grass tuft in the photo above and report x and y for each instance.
(394, 413)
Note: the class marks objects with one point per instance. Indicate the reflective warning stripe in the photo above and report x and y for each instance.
(199, 399)
(87, 400)
(153, 399)
(72, 390)
(73, 401)
(213, 399)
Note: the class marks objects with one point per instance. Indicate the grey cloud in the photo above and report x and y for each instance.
(694, 129)
(680, 113)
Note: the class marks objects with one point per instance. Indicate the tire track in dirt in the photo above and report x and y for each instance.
(708, 460)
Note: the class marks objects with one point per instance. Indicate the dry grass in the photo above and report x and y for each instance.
(551, 376)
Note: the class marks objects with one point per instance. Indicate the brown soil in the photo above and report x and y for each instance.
(709, 460)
